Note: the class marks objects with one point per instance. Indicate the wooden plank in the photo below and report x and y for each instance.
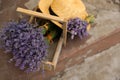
(64, 33)
(51, 65)
(57, 52)
(40, 15)
(32, 17)
(56, 49)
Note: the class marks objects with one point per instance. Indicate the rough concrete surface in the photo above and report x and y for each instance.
(103, 66)
(107, 13)
(31, 4)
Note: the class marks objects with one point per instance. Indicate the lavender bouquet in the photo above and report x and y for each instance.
(77, 27)
(26, 43)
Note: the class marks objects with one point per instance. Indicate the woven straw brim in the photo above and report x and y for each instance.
(69, 8)
(44, 6)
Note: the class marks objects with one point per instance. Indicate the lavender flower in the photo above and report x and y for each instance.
(78, 27)
(26, 43)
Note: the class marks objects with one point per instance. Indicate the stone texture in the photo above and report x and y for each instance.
(8, 10)
(103, 4)
(116, 1)
(103, 66)
(31, 4)
(107, 18)
(107, 21)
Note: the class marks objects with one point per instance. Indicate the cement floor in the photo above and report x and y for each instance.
(103, 66)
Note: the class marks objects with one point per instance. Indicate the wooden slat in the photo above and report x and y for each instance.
(64, 33)
(32, 17)
(40, 15)
(57, 52)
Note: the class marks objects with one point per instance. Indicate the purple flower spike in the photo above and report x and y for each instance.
(26, 43)
(77, 27)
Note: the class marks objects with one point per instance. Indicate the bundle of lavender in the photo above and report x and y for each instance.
(27, 44)
(79, 27)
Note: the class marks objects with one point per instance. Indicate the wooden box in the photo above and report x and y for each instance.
(53, 51)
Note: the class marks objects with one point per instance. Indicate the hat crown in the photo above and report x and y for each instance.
(69, 8)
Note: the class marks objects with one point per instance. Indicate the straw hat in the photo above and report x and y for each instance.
(64, 8)
(69, 8)
(44, 7)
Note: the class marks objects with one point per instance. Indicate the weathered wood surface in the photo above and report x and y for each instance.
(40, 15)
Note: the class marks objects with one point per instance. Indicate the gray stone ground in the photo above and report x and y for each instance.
(105, 65)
